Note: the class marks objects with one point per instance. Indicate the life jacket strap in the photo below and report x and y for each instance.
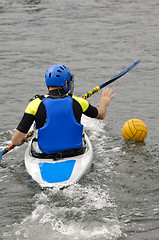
(59, 155)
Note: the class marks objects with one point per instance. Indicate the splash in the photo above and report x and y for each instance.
(82, 211)
(73, 213)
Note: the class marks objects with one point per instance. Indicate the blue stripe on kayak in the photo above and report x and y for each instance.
(56, 172)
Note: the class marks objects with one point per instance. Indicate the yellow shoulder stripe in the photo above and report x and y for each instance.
(84, 104)
(33, 106)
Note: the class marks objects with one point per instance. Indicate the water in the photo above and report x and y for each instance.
(119, 197)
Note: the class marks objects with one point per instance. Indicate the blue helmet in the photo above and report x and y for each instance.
(57, 75)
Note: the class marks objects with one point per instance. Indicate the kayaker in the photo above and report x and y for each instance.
(58, 114)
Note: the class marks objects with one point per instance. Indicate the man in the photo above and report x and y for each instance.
(58, 114)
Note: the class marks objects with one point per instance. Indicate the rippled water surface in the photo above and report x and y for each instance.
(118, 198)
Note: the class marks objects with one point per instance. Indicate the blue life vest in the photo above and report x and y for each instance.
(61, 132)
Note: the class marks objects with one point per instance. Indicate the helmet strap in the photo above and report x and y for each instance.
(71, 84)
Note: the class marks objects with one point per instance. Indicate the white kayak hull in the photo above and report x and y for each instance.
(59, 173)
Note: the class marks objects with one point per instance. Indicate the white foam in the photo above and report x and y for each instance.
(73, 217)
(73, 213)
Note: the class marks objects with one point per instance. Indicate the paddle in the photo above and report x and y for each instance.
(87, 95)
(96, 89)
(4, 151)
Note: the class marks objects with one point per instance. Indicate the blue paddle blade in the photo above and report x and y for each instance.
(1, 154)
(119, 74)
(96, 89)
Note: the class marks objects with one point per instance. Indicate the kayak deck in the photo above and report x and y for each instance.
(64, 172)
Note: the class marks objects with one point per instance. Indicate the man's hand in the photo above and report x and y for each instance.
(106, 98)
(18, 138)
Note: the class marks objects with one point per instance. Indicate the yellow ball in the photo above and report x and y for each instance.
(134, 129)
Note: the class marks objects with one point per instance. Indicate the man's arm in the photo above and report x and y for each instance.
(27, 120)
(18, 138)
(106, 98)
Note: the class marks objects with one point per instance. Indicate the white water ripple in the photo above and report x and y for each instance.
(71, 220)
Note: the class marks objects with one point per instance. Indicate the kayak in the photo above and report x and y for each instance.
(58, 173)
